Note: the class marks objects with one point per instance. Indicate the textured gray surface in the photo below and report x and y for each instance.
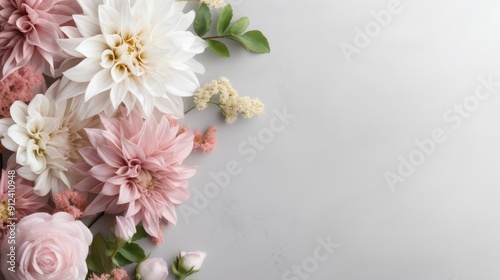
(323, 174)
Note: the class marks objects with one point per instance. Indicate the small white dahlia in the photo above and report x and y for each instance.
(45, 136)
(135, 52)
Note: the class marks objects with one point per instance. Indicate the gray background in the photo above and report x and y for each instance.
(320, 175)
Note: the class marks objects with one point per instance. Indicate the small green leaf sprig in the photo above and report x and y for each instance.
(107, 254)
(253, 40)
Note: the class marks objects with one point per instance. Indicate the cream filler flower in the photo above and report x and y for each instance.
(135, 52)
(229, 101)
(45, 136)
(216, 4)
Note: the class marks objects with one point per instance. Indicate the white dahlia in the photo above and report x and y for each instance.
(45, 136)
(135, 52)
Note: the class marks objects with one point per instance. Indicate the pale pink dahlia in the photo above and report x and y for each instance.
(29, 30)
(135, 167)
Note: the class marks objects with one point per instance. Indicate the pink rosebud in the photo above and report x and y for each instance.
(192, 260)
(153, 269)
(124, 228)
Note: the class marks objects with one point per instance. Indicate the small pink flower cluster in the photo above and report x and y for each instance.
(71, 202)
(116, 274)
(205, 143)
(18, 86)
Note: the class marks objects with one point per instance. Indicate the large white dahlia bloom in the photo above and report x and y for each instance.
(45, 136)
(135, 52)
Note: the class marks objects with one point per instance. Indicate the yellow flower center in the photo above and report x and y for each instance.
(4, 211)
(125, 56)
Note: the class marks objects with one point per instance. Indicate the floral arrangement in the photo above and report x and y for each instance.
(92, 104)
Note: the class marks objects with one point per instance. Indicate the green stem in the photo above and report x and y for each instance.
(218, 105)
(215, 37)
(119, 244)
(190, 109)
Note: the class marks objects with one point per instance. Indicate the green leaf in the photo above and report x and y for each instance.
(132, 252)
(253, 41)
(224, 19)
(218, 47)
(97, 260)
(240, 26)
(202, 21)
(92, 265)
(140, 233)
(121, 260)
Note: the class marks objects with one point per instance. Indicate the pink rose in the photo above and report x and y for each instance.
(192, 260)
(153, 269)
(47, 247)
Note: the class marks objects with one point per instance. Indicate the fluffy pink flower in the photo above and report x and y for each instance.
(18, 86)
(29, 30)
(103, 276)
(135, 166)
(205, 143)
(120, 274)
(26, 201)
(71, 202)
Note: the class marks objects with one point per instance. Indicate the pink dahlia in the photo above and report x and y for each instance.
(135, 167)
(18, 192)
(29, 30)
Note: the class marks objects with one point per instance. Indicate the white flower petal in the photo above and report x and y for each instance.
(89, 6)
(26, 173)
(172, 105)
(84, 71)
(96, 105)
(119, 73)
(86, 25)
(107, 59)
(102, 81)
(181, 83)
(195, 65)
(42, 187)
(108, 20)
(64, 179)
(154, 84)
(19, 135)
(65, 89)
(51, 124)
(127, 25)
(118, 93)
(22, 157)
(36, 159)
(93, 46)
(39, 106)
(69, 46)
(113, 40)
(18, 112)
(71, 32)
(129, 102)
(34, 125)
